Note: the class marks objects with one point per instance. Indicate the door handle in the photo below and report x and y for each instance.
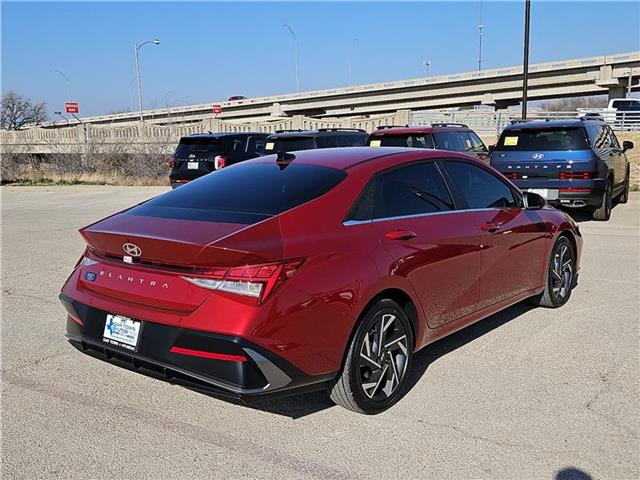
(489, 227)
(400, 235)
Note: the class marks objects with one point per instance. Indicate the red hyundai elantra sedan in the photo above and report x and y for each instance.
(317, 269)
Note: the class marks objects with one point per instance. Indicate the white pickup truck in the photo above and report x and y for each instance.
(621, 112)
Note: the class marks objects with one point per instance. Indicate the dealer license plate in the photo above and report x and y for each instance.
(193, 165)
(546, 193)
(121, 331)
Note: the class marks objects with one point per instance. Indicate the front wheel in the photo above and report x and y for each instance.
(560, 276)
(374, 375)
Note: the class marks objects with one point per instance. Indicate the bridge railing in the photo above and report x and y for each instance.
(162, 138)
(493, 122)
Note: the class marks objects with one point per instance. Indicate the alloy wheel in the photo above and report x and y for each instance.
(562, 272)
(383, 357)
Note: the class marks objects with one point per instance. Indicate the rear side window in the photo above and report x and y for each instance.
(453, 141)
(476, 144)
(244, 193)
(199, 147)
(411, 190)
(478, 187)
(418, 140)
(542, 139)
(289, 144)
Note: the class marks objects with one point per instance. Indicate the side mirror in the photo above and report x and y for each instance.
(627, 145)
(533, 201)
(491, 148)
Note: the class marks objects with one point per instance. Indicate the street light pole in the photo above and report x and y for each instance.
(136, 50)
(66, 79)
(295, 44)
(427, 66)
(353, 42)
(62, 116)
(525, 73)
(480, 28)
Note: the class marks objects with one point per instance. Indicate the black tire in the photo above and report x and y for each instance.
(366, 382)
(603, 212)
(624, 196)
(560, 280)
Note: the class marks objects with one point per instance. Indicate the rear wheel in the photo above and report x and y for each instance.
(374, 376)
(603, 212)
(560, 276)
(624, 196)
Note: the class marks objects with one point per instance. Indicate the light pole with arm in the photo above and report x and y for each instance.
(66, 79)
(295, 44)
(136, 54)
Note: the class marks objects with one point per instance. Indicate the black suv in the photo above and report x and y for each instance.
(202, 153)
(571, 163)
(292, 140)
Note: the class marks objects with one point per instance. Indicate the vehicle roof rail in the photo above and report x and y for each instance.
(385, 127)
(341, 129)
(289, 130)
(449, 124)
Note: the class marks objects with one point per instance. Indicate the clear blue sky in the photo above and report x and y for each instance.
(213, 50)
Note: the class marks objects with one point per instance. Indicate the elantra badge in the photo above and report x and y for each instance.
(538, 156)
(132, 249)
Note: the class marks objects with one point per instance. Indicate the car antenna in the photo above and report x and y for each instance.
(284, 159)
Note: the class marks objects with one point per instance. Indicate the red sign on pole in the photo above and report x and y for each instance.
(71, 107)
(216, 109)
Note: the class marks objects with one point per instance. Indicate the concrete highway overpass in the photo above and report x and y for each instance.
(500, 88)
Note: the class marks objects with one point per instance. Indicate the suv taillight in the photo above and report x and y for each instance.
(256, 281)
(220, 162)
(575, 175)
(172, 162)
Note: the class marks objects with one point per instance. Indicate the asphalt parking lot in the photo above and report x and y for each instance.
(528, 393)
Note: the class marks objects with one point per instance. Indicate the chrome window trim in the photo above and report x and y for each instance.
(349, 223)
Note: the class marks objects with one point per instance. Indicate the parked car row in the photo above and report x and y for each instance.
(314, 269)
(570, 163)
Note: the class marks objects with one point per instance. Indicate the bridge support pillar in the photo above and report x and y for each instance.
(619, 91)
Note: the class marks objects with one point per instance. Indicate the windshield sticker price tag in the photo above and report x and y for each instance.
(375, 143)
(269, 146)
(510, 141)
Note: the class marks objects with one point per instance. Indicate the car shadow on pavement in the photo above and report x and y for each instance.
(301, 405)
(572, 473)
(425, 357)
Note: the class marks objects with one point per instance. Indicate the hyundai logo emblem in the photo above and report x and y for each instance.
(538, 156)
(132, 249)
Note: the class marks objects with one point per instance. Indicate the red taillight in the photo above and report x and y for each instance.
(575, 175)
(172, 162)
(220, 162)
(257, 281)
(212, 355)
(570, 189)
(511, 175)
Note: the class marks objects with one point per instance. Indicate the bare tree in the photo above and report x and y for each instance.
(573, 103)
(18, 111)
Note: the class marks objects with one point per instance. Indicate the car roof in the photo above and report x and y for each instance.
(222, 135)
(538, 124)
(316, 133)
(412, 129)
(347, 157)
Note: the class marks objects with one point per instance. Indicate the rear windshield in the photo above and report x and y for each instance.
(244, 193)
(419, 140)
(562, 138)
(200, 147)
(289, 144)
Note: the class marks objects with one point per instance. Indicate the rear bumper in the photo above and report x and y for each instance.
(570, 193)
(240, 369)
